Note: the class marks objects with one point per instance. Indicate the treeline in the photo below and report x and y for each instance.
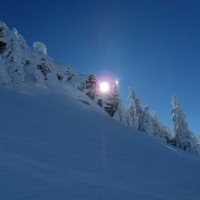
(141, 118)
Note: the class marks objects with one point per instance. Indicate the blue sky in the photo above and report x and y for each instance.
(152, 46)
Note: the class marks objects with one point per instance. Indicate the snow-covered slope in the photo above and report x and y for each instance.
(22, 68)
(53, 147)
(30, 69)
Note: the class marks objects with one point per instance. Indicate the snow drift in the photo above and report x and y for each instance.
(52, 147)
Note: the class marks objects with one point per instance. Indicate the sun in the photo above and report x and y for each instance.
(104, 87)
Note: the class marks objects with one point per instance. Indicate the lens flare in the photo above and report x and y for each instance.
(104, 87)
(107, 82)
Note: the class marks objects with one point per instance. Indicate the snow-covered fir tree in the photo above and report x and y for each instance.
(156, 125)
(120, 112)
(183, 136)
(145, 121)
(89, 86)
(112, 104)
(135, 110)
(13, 51)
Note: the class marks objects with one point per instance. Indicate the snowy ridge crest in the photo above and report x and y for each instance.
(22, 67)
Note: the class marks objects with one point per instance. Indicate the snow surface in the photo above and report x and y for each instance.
(55, 147)
(28, 69)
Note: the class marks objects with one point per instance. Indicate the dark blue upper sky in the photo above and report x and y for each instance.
(151, 45)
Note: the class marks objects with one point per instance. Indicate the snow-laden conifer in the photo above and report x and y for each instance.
(15, 56)
(112, 103)
(120, 114)
(183, 136)
(145, 121)
(134, 111)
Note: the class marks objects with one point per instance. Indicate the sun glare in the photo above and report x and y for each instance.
(104, 87)
(117, 82)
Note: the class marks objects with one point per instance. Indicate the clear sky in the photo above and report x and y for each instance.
(151, 45)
